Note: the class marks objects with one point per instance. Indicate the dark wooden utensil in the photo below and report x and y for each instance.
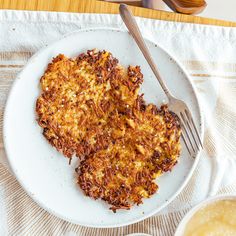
(184, 6)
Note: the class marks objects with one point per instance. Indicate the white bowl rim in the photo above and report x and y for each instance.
(180, 229)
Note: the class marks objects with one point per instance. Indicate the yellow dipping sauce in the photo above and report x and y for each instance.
(215, 219)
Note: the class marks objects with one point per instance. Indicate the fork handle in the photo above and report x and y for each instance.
(132, 26)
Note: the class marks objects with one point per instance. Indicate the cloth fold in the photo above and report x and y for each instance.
(208, 53)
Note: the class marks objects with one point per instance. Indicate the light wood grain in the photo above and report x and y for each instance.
(93, 6)
(129, 2)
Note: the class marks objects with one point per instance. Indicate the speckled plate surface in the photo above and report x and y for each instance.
(45, 174)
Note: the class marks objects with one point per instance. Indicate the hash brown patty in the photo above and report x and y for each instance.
(90, 107)
(125, 172)
(77, 97)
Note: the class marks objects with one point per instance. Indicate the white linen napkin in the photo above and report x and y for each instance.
(208, 53)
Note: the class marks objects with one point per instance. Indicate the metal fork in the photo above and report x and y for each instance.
(190, 133)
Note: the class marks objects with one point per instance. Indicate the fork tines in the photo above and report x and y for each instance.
(190, 134)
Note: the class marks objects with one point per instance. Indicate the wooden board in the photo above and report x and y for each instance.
(93, 6)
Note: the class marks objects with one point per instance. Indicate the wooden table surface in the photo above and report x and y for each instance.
(93, 6)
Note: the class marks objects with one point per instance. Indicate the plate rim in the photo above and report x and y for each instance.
(48, 209)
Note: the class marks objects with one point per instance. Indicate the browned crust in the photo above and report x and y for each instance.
(73, 108)
(90, 107)
(125, 172)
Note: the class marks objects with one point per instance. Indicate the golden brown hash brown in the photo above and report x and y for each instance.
(77, 97)
(90, 107)
(124, 173)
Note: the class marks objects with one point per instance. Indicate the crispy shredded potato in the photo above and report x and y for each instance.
(124, 173)
(78, 95)
(90, 108)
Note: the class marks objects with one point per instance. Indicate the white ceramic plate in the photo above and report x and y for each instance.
(45, 174)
